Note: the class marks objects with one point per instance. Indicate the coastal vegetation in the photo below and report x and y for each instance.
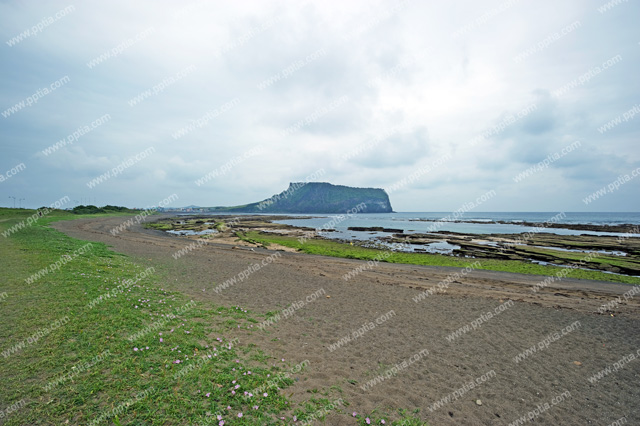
(356, 251)
(592, 263)
(93, 338)
(91, 209)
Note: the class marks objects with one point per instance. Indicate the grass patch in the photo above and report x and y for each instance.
(98, 341)
(625, 262)
(343, 250)
(244, 236)
(377, 417)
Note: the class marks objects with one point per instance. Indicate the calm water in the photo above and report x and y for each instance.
(408, 223)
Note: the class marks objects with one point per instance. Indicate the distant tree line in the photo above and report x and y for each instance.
(91, 209)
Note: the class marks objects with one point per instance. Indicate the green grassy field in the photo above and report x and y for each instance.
(337, 249)
(89, 337)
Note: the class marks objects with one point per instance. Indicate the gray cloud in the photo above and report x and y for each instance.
(398, 63)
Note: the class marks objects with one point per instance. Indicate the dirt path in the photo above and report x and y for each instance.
(522, 318)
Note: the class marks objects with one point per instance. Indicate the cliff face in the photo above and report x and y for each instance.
(321, 197)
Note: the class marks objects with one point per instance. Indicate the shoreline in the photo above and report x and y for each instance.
(587, 252)
(309, 331)
(553, 223)
(623, 228)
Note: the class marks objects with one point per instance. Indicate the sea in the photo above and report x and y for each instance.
(483, 222)
(336, 226)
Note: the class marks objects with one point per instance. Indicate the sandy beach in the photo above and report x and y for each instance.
(431, 347)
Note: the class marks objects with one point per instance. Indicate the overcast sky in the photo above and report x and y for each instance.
(225, 103)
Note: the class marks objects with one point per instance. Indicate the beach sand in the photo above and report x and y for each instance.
(512, 389)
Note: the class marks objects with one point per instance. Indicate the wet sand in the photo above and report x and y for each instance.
(514, 388)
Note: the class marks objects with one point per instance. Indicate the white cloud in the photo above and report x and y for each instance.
(397, 62)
